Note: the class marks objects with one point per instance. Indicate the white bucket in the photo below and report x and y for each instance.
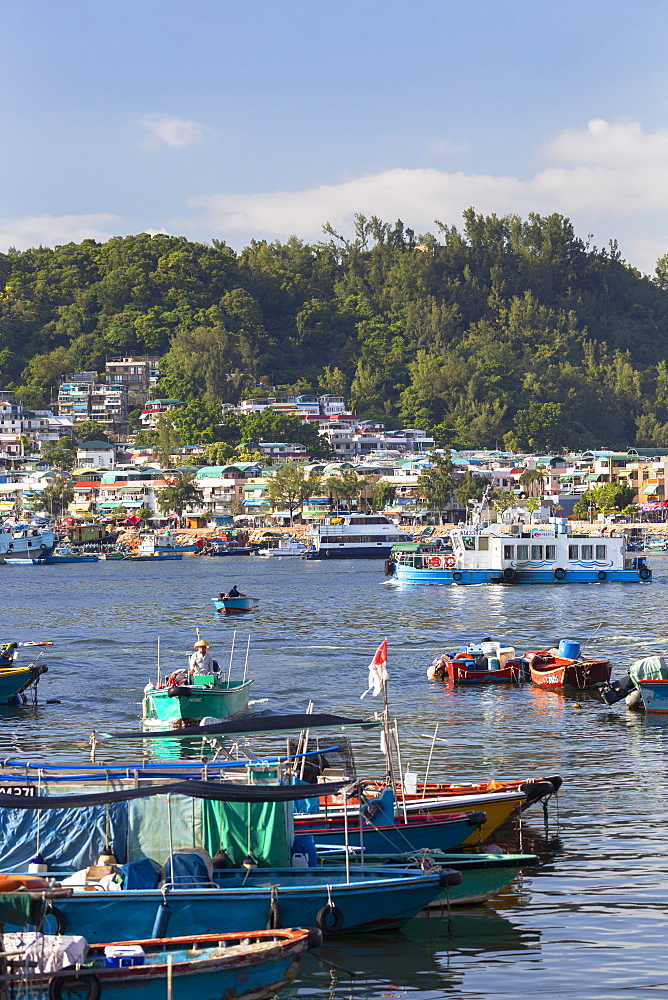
(489, 648)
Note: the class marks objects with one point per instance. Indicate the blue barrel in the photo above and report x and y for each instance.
(569, 649)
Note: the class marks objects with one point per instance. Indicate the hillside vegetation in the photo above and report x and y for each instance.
(502, 331)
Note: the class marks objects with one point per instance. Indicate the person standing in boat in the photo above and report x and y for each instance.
(201, 661)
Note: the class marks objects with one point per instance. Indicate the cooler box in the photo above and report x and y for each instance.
(118, 956)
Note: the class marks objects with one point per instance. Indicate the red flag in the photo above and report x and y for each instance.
(377, 671)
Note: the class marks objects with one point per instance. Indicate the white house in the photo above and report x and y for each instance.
(96, 455)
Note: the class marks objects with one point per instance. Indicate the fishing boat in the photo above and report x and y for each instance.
(184, 891)
(66, 554)
(541, 554)
(15, 679)
(25, 562)
(483, 875)
(231, 548)
(564, 668)
(249, 966)
(354, 536)
(155, 548)
(88, 532)
(27, 543)
(187, 696)
(283, 545)
(644, 687)
(486, 662)
(235, 605)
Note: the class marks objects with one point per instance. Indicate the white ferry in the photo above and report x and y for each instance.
(355, 536)
(25, 542)
(283, 545)
(541, 554)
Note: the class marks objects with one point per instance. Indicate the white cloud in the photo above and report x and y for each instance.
(610, 179)
(447, 147)
(53, 230)
(169, 131)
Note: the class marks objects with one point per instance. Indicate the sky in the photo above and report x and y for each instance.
(259, 119)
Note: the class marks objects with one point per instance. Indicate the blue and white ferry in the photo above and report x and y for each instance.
(538, 554)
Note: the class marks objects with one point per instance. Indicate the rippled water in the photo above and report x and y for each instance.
(590, 921)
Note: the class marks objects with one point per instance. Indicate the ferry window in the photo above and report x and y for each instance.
(536, 551)
(469, 543)
(600, 552)
(522, 551)
(550, 551)
(587, 551)
(572, 551)
(483, 543)
(508, 551)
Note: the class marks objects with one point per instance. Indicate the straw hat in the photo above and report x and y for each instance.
(201, 642)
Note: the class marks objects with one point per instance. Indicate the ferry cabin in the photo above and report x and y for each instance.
(351, 536)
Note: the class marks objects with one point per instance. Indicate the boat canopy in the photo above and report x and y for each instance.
(651, 668)
(263, 724)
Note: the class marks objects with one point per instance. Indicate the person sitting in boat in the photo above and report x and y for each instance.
(234, 592)
(8, 653)
(201, 661)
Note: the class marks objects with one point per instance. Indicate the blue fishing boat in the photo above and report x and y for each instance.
(235, 605)
(15, 679)
(238, 967)
(185, 890)
(64, 554)
(645, 686)
(421, 832)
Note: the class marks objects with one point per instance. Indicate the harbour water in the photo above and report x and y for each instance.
(590, 921)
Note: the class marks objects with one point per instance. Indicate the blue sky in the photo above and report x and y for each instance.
(241, 119)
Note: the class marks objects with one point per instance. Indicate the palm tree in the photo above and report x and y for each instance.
(535, 480)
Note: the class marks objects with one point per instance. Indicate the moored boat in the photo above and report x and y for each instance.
(552, 668)
(245, 966)
(644, 687)
(283, 545)
(486, 662)
(354, 536)
(15, 679)
(25, 544)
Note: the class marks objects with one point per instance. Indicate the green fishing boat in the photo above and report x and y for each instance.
(198, 691)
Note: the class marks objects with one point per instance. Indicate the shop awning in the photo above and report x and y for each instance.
(593, 477)
(650, 488)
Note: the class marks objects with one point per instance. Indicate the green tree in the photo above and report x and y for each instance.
(290, 486)
(167, 439)
(532, 504)
(60, 454)
(198, 422)
(384, 494)
(346, 486)
(91, 430)
(533, 480)
(270, 426)
(471, 487)
(220, 453)
(502, 500)
(144, 513)
(180, 492)
(436, 485)
(55, 498)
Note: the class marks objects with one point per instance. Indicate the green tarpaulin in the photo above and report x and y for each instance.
(263, 829)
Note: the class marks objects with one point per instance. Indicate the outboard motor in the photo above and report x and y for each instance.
(617, 690)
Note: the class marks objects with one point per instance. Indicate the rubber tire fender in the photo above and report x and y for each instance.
(644, 573)
(508, 574)
(58, 984)
(321, 919)
(456, 576)
(42, 546)
(274, 916)
(58, 916)
(559, 573)
(601, 575)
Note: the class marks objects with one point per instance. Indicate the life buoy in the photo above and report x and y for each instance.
(559, 573)
(322, 919)
(644, 573)
(508, 574)
(71, 984)
(601, 575)
(10, 883)
(457, 576)
(434, 562)
(450, 561)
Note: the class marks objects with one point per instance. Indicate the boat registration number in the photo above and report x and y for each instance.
(25, 791)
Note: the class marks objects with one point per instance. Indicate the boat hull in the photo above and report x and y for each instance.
(350, 550)
(235, 605)
(457, 672)
(156, 557)
(198, 964)
(469, 577)
(195, 702)
(654, 695)
(13, 680)
(423, 832)
(560, 672)
(375, 899)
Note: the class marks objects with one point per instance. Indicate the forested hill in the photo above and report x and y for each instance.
(505, 330)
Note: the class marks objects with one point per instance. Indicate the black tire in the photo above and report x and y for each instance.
(274, 916)
(508, 574)
(457, 575)
(644, 573)
(601, 575)
(56, 915)
(60, 986)
(42, 546)
(559, 573)
(321, 919)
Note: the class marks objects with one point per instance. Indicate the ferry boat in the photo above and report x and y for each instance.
(541, 554)
(354, 536)
(25, 542)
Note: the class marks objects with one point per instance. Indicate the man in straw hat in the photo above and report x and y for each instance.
(201, 661)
